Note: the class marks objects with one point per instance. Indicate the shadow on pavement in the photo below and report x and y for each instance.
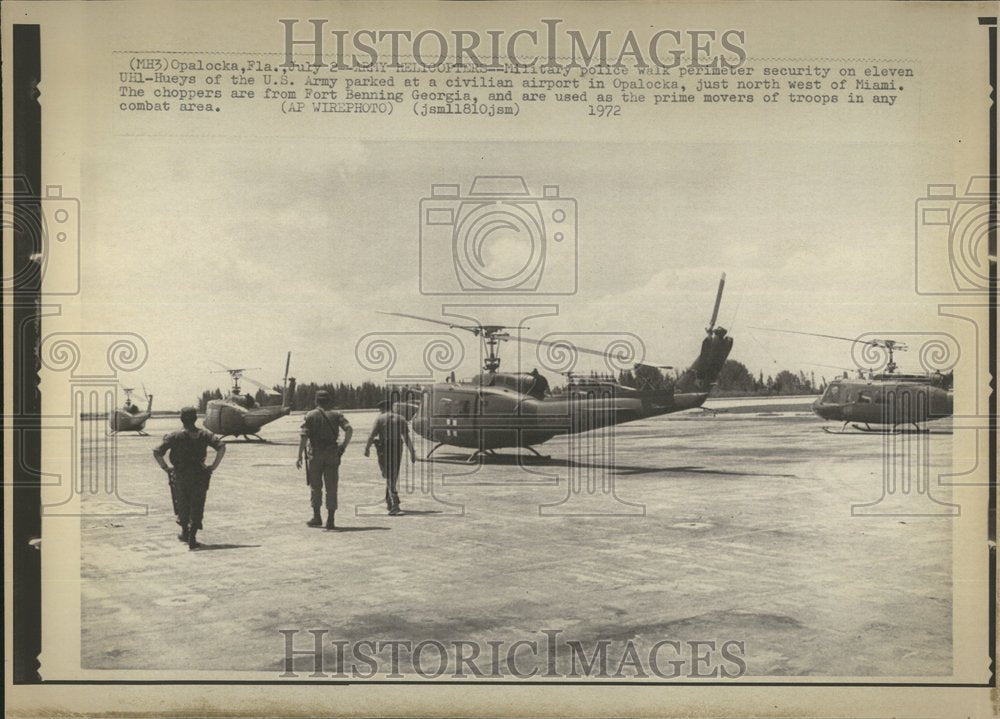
(514, 460)
(207, 547)
(358, 529)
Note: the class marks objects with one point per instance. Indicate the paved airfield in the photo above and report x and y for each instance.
(727, 526)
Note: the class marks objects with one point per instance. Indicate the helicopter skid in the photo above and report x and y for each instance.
(492, 453)
(868, 429)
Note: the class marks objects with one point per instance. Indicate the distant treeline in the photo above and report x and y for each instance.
(734, 380)
(345, 396)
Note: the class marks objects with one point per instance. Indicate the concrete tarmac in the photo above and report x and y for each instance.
(701, 528)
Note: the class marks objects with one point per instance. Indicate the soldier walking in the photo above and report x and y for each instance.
(388, 435)
(319, 446)
(189, 477)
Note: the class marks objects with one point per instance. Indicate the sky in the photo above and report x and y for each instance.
(243, 253)
(240, 238)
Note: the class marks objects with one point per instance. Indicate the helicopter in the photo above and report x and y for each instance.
(239, 414)
(129, 418)
(888, 399)
(496, 410)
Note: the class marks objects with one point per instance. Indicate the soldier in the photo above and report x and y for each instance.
(322, 428)
(189, 477)
(540, 387)
(388, 435)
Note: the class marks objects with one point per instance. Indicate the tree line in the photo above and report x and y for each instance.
(345, 395)
(734, 380)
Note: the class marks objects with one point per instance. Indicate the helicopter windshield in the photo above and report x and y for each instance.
(832, 394)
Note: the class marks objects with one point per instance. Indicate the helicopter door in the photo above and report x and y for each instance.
(455, 413)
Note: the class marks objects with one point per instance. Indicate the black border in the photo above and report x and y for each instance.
(25, 299)
(27, 506)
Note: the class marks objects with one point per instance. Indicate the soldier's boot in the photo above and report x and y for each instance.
(183, 536)
(316, 521)
(192, 539)
(329, 521)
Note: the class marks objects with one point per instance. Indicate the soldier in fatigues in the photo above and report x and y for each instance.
(320, 447)
(189, 477)
(388, 435)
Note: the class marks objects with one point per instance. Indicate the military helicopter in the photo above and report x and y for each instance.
(239, 414)
(497, 410)
(129, 418)
(887, 399)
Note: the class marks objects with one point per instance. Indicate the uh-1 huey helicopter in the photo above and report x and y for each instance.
(129, 418)
(496, 409)
(239, 414)
(888, 399)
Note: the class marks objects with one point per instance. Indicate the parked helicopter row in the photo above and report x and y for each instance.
(497, 410)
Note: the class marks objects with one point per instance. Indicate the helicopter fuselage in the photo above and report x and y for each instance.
(494, 410)
(226, 417)
(127, 419)
(122, 421)
(890, 401)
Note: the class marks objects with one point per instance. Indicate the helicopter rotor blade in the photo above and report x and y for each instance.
(269, 390)
(475, 329)
(418, 317)
(585, 350)
(873, 343)
(230, 370)
(832, 366)
(718, 301)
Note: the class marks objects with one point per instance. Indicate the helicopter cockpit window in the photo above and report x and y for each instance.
(832, 395)
(864, 397)
(444, 407)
